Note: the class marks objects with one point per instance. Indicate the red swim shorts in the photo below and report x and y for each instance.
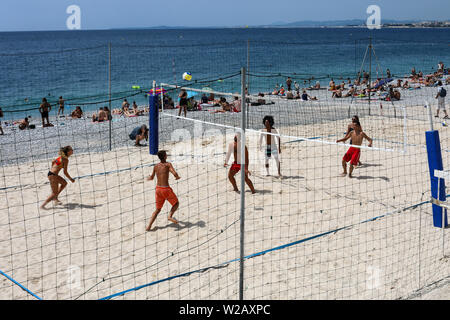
(353, 155)
(235, 166)
(164, 193)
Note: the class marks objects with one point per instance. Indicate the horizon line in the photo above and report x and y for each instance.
(277, 24)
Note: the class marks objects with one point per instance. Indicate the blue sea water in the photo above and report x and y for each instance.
(75, 64)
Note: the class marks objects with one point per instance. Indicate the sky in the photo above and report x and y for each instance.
(38, 15)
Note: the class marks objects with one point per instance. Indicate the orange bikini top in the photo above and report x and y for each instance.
(58, 161)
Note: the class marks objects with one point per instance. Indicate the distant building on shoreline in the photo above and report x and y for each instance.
(423, 24)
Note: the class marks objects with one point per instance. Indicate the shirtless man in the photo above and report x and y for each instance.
(102, 115)
(163, 191)
(61, 106)
(125, 104)
(234, 147)
(357, 136)
(350, 127)
(44, 109)
(289, 83)
(24, 124)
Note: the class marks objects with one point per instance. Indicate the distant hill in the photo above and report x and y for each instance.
(317, 24)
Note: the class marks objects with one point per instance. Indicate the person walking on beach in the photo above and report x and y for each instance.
(183, 102)
(352, 155)
(138, 134)
(58, 183)
(235, 148)
(44, 109)
(61, 106)
(270, 139)
(1, 129)
(289, 83)
(441, 94)
(163, 191)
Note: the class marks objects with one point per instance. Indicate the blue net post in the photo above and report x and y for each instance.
(435, 163)
(153, 124)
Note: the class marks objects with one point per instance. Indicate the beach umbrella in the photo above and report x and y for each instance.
(191, 94)
(383, 82)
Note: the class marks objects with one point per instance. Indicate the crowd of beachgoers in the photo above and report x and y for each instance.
(384, 88)
(362, 86)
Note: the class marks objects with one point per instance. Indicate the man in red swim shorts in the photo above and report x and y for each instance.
(163, 191)
(234, 148)
(352, 155)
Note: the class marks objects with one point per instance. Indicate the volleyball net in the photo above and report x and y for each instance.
(309, 234)
(298, 216)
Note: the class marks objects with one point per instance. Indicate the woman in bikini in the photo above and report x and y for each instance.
(58, 183)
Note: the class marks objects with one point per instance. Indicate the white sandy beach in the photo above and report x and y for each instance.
(97, 241)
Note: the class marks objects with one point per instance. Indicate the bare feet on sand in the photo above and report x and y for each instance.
(172, 220)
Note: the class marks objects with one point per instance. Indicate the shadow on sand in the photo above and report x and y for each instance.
(71, 206)
(370, 177)
(181, 225)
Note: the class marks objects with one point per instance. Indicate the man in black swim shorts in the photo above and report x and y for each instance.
(183, 102)
(44, 109)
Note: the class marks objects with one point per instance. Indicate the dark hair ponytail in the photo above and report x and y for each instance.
(64, 151)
